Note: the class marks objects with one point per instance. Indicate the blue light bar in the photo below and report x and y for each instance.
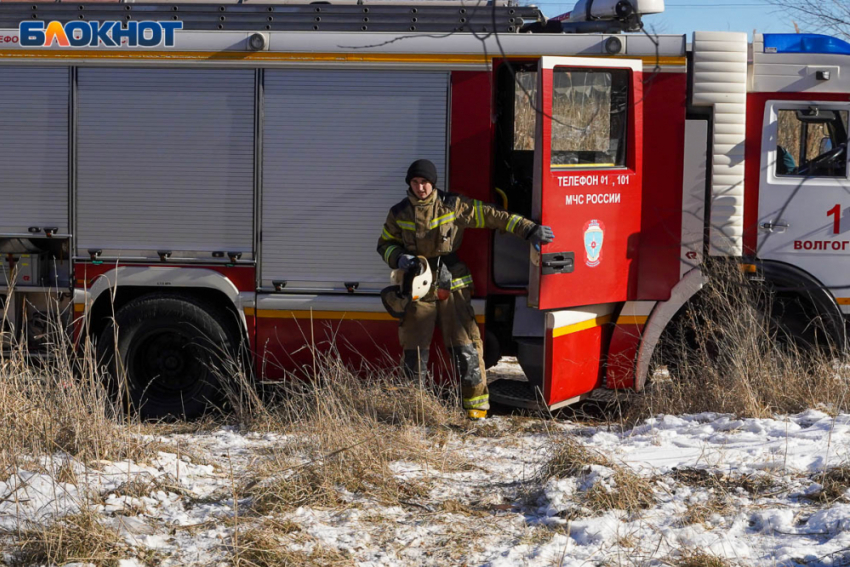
(804, 43)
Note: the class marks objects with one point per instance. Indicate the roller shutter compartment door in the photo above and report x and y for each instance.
(165, 161)
(336, 147)
(33, 149)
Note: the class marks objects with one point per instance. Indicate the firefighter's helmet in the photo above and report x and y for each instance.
(415, 281)
(407, 285)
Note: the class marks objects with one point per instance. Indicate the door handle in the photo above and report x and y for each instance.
(557, 263)
(775, 226)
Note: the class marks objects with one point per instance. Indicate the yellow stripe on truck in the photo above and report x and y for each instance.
(583, 326)
(631, 320)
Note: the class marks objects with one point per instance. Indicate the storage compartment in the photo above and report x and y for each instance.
(24, 269)
(35, 262)
(332, 169)
(165, 162)
(34, 150)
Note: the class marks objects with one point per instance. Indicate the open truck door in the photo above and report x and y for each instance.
(587, 187)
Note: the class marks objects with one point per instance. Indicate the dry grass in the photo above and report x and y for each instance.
(145, 484)
(568, 458)
(835, 483)
(630, 492)
(755, 484)
(725, 354)
(716, 505)
(699, 558)
(626, 490)
(345, 432)
(79, 537)
(60, 405)
(280, 544)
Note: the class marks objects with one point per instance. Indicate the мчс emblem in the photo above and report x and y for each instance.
(594, 232)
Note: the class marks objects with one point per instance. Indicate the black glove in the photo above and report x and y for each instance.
(406, 261)
(541, 235)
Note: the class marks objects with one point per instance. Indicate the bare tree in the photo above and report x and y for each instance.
(819, 16)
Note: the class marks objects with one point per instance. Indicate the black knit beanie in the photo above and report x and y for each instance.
(422, 168)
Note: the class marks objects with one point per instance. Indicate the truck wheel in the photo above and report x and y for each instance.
(797, 316)
(169, 347)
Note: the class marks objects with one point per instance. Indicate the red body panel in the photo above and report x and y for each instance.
(470, 159)
(286, 344)
(664, 111)
(575, 363)
(756, 103)
(622, 356)
(614, 278)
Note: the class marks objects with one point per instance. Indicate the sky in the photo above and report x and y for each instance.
(686, 16)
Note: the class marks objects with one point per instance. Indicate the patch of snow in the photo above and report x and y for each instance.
(180, 507)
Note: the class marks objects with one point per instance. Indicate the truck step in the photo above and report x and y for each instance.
(515, 393)
(521, 394)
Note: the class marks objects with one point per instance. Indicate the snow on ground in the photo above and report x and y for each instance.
(737, 489)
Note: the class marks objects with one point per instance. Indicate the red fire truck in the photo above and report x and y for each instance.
(235, 183)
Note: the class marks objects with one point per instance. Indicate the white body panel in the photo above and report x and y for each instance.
(796, 72)
(720, 81)
(802, 204)
(362, 49)
(164, 278)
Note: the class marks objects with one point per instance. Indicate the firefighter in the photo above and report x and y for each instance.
(429, 223)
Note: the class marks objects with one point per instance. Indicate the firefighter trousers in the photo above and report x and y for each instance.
(460, 335)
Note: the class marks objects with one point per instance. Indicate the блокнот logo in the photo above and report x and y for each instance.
(93, 34)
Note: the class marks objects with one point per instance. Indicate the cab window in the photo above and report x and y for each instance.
(811, 142)
(589, 115)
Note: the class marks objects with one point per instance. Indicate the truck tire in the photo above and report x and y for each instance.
(798, 313)
(170, 348)
(803, 309)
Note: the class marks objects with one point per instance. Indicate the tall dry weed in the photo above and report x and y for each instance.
(345, 430)
(74, 538)
(730, 350)
(59, 404)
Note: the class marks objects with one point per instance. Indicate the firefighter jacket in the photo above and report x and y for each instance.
(433, 227)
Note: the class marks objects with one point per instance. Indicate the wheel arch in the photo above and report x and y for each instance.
(784, 277)
(661, 315)
(789, 278)
(117, 287)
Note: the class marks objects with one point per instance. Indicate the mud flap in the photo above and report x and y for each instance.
(574, 348)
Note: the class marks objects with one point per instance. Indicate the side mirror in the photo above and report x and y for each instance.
(825, 145)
